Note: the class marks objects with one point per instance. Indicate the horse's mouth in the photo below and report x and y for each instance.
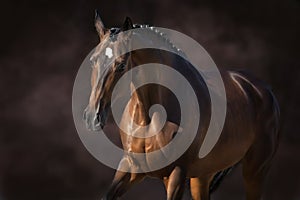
(101, 122)
(95, 121)
(102, 117)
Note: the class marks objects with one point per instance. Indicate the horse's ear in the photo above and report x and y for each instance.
(127, 25)
(99, 24)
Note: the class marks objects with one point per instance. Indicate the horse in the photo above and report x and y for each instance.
(249, 137)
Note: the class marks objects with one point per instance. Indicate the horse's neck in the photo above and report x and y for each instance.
(138, 108)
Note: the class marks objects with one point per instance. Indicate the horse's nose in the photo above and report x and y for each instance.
(87, 118)
(102, 125)
(97, 120)
(92, 120)
(84, 115)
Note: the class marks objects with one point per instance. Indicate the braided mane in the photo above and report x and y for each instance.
(155, 31)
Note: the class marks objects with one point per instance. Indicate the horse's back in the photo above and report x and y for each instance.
(252, 117)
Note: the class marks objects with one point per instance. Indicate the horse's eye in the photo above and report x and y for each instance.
(121, 67)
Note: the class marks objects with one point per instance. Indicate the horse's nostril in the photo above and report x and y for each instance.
(97, 120)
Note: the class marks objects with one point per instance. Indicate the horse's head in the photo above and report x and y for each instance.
(105, 72)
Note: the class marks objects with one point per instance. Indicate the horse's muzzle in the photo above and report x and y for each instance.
(94, 121)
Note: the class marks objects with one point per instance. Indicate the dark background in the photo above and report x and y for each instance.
(43, 44)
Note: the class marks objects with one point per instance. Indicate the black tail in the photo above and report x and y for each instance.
(213, 185)
(218, 179)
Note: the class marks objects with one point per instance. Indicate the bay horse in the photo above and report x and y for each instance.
(250, 134)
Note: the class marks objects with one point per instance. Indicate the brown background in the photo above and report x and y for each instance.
(43, 44)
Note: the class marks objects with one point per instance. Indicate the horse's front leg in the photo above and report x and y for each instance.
(200, 188)
(122, 181)
(175, 184)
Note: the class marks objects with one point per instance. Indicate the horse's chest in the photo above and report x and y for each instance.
(141, 145)
(151, 144)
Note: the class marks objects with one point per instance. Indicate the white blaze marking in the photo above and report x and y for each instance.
(108, 52)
